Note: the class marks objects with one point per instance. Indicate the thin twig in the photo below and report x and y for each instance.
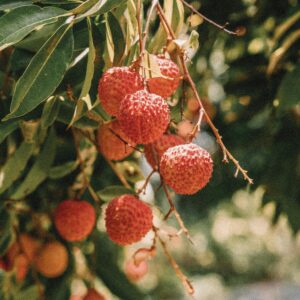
(176, 213)
(143, 188)
(185, 281)
(226, 153)
(222, 27)
(119, 175)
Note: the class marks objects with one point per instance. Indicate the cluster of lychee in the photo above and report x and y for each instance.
(141, 115)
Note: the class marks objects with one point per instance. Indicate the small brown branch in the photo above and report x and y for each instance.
(221, 27)
(185, 281)
(226, 153)
(197, 127)
(143, 188)
(176, 214)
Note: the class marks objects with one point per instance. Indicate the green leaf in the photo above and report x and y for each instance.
(118, 39)
(84, 7)
(6, 230)
(84, 99)
(63, 170)
(18, 23)
(14, 166)
(113, 191)
(101, 7)
(289, 89)
(44, 73)
(50, 111)
(40, 169)
(6, 128)
(31, 293)
(29, 130)
(11, 4)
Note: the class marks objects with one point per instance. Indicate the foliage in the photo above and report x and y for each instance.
(52, 54)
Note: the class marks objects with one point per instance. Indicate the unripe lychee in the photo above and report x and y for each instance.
(186, 168)
(52, 259)
(135, 272)
(115, 84)
(29, 246)
(92, 294)
(74, 219)
(127, 219)
(154, 151)
(143, 117)
(167, 85)
(112, 141)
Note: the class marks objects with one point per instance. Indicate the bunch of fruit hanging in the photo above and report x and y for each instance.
(133, 119)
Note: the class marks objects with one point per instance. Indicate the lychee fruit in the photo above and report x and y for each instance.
(92, 294)
(143, 116)
(127, 219)
(29, 246)
(74, 219)
(134, 271)
(21, 267)
(186, 168)
(52, 259)
(112, 141)
(115, 84)
(154, 151)
(165, 86)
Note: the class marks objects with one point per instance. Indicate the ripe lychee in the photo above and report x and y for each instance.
(135, 272)
(21, 266)
(52, 259)
(127, 219)
(154, 151)
(115, 84)
(92, 294)
(186, 168)
(143, 117)
(165, 86)
(74, 219)
(112, 141)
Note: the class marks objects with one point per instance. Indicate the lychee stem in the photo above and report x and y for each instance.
(226, 154)
(175, 212)
(185, 281)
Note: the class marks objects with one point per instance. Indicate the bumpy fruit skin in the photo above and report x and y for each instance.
(143, 117)
(115, 84)
(52, 260)
(112, 141)
(167, 85)
(74, 219)
(135, 272)
(127, 219)
(92, 294)
(186, 168)
(154, 151)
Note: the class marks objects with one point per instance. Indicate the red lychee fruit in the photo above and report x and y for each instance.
(165, 86)
(186, 168)
(185, 129)
(112, 141)
(92, 294)
(52, 259)
(135, 272)
(127, 219)
(74, 219)
(115, 84)
(154, 151)
(143, 116)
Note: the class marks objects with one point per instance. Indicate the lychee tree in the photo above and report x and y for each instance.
(88, 90)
